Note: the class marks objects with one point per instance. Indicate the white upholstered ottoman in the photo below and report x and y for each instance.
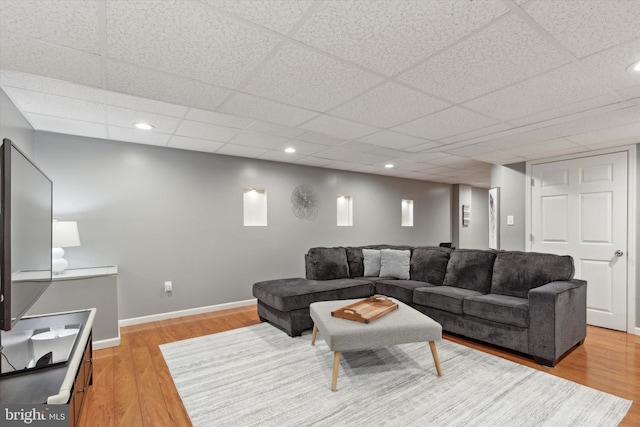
(401, 326)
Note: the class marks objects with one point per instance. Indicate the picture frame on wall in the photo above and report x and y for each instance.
(494, 218)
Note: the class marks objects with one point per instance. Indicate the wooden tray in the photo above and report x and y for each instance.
(366, 310)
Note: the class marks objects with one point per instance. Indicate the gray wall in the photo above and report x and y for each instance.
(476, 234)
(511, 181)
(163, 214)
(15, 127)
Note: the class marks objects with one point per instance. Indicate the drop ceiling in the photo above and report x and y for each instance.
(441, 89)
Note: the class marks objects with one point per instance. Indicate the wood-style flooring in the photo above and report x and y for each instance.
(132, 385)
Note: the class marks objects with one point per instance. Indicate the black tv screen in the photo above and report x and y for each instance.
(26, 226)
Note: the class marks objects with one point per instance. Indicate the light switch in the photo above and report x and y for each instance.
(510, 220)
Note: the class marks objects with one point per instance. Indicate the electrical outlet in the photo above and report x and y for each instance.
(168, 286)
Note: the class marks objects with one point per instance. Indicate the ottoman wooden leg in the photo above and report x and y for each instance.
(336, 366)
(436, 360)
(313, 335)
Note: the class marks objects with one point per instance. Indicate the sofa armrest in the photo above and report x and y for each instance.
(557, 319)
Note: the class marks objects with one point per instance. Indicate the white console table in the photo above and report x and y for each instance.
(82, 288)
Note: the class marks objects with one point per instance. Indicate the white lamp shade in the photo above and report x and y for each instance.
(65, 234)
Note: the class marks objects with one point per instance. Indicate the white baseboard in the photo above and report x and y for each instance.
(110, 342)
(182, 313)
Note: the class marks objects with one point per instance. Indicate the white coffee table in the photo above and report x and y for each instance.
(401, 326)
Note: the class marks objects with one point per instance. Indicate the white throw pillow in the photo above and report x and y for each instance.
(395, 263)
(371, 262)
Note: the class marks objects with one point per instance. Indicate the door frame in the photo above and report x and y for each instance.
(633, 318)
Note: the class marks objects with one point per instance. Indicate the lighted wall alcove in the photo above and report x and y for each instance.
(407, 212)
(345, 210)
(255, 207)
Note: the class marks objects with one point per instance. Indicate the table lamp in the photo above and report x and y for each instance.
(65, 235)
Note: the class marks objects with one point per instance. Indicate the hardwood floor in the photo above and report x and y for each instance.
(132, 385)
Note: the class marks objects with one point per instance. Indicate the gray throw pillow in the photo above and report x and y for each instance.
(371, 262)
(394, 263)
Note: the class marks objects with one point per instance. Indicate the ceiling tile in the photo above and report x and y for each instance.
(138, 136)
(320, 138)
(587, 27)
(240, 151)
(65, 23)
(194, 144)
(263, 109)
(342, 154)
(561, 86)
(35, 57)
(127, 118)
(187, 39)
(610, 66)
(51, 86)
(67, 126)
(277, 130)
(543, 147)
(499, 158)
(469, 151)
(389, 36)
(468, 69)
(58, 106)
(277, 15)
(387, 138)
(489, 130)
(630, 93)
(565, 110)
(451, 121)
(163, 87)
(338, 127)
(616, 133)
(217, 118)
(205, 131)
(260, 140)
(307, 79)
(314, 161)
(280, 156)
(303, 147)
(388, 105)
(425, 156)
(423, 147)
(143, 104)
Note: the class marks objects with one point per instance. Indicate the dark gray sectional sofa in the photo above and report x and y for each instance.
(524, 301)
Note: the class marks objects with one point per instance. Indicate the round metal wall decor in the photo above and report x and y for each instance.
(304, 202)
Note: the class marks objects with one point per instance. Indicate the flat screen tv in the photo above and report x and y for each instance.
(26, 209)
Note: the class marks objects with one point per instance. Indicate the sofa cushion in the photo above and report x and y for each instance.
(355, 261)
(355, 258)
(515, 273)
(498, 308)
(395, 263)
(470, 269)
(400, 289)
(295, 293)
(371, 261)
(429, 264)
(445, 298)
(328, 263)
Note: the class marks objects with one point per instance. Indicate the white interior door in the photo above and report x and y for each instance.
(579, 208)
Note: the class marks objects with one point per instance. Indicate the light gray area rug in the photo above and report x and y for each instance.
(259, 376)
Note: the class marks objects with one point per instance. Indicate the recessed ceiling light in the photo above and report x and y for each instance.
(634, 68)
(289, 150)
(388, 165)
(144, 126)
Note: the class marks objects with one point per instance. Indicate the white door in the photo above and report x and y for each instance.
(579, 208)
